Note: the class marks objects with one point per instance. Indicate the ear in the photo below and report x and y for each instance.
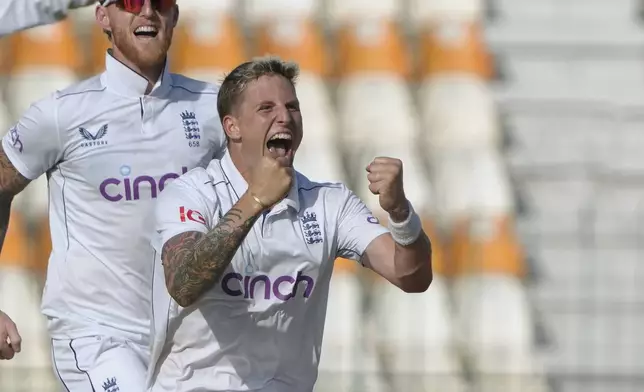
(231, 128)
(176, 16)
(102, 18)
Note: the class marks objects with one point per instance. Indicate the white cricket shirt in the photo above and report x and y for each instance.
(16, 15)
(259, 328)
(108, 151)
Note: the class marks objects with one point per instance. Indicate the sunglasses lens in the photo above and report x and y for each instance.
(164, 5)
(135, 6)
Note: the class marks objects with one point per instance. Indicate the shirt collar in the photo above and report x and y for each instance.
(234, 177)
(123, 80)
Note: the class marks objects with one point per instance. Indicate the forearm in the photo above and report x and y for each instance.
(194, 261)
(413, 264)
(16, 15)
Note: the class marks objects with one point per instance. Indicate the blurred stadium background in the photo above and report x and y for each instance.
(520, 125)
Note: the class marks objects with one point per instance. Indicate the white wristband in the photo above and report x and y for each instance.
(406, 232)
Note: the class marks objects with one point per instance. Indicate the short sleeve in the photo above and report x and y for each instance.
(357, 227)
(33, 144)
(180, 208)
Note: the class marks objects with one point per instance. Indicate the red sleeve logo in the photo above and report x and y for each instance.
(192, 215)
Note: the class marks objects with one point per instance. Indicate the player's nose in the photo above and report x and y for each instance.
(147, 10)
(284, 116)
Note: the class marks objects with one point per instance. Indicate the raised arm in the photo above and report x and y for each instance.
(16, 15)
(403, 256)
(194, 261)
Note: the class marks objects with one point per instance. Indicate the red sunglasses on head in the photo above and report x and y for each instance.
(135, 6)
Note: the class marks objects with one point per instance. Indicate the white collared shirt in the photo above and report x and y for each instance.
(108, 151)
(16, 15)
(260, 327)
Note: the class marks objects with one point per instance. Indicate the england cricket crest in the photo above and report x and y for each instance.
(191, 128)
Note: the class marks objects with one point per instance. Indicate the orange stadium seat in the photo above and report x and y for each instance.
(207, 44)
(472, 184)
(16, 244)
(298, 40)
(42, 249)
(454, 47)
(494, 249)
(439, 262)
(372, 45)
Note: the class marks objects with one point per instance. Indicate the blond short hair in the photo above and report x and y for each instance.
(236, 82)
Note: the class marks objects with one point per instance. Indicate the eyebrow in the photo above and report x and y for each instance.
(289, 103)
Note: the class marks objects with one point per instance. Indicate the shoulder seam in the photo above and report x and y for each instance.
(327, 185)
(193, 92)
(94, 90)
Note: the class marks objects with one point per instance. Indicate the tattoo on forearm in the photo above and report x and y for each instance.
(11, 183)
(195, 261)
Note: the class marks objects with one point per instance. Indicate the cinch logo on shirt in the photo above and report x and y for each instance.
(117, 189)
(283, 287)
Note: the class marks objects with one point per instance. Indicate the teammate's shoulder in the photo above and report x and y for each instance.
(69, 97)
(193, 86)
(84, 87)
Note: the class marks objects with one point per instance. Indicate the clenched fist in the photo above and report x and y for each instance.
(385, 177)
(270, 181)
(9, 338)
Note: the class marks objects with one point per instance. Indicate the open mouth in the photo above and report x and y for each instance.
(146, 32)
(280, 144)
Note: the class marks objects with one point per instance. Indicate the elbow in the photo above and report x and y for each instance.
(420, 280)
(181, 297)
(418, 285)
(183, 300)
